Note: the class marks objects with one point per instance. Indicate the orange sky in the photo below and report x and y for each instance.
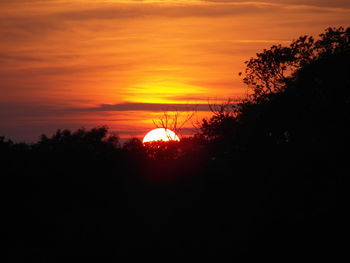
(68, 64)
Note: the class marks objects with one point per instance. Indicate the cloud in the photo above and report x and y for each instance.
(173, 10)
(153, 107)
(11, 110)
(328, 3)
(320, 3)
(27, 24)
(125, 10)
(119, 11)
(61, 70)
(16, 57)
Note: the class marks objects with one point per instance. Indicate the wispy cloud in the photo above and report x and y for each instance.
(126, 10)
(53, 18)
(320, 3)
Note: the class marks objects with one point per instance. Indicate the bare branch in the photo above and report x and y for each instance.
(175, 121)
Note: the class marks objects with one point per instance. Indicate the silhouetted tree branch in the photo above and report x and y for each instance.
(174, 121)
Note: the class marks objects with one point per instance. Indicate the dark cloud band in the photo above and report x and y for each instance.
(155, 107)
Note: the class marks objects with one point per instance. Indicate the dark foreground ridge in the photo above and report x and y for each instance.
(265, 179)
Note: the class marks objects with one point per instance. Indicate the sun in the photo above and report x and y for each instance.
(160, 134)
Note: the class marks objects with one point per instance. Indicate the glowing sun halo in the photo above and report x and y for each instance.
(160, 134)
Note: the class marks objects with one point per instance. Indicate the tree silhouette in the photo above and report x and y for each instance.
(270, 71)
(300, 97)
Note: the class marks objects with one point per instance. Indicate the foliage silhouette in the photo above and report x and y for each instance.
(271, 70)
(303, 110)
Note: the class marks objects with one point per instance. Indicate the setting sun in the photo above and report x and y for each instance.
(160, 134)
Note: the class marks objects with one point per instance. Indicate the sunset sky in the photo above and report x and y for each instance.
(72, 64)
